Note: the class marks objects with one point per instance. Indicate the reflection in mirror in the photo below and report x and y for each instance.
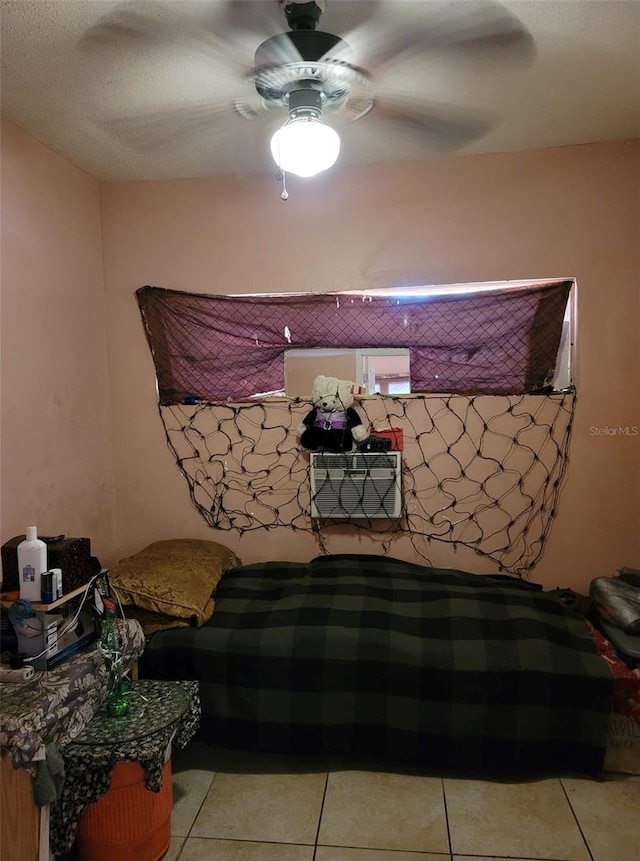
(301, 367)
(378, 371)
(384, 371)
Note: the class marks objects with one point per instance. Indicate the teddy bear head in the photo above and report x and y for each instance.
(331, 394)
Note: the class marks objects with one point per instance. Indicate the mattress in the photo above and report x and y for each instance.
(371, 655)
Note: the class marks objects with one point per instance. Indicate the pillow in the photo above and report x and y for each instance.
(153, 622)
(175, 578)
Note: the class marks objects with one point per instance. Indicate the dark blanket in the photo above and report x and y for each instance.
(375, 656)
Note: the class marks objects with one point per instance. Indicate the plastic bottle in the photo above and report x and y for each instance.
(32, 563)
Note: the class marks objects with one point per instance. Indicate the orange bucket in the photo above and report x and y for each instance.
(129, 823)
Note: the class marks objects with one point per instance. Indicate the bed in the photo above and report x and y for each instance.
(373, 656)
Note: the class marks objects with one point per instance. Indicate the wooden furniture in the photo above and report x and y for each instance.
(20, 828)
(38, 605)
(46, 636)
(51, 708)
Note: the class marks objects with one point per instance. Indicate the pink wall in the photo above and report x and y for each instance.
(56, 418)
(554, 213)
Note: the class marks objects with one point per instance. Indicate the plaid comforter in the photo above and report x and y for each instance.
(375, 656)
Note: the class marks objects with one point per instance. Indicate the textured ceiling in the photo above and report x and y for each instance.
(155, 102)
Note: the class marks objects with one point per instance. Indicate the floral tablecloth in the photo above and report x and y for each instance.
(56, 705)
(170, 716)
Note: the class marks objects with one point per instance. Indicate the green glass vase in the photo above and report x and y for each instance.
(117, 699)
(117, 702)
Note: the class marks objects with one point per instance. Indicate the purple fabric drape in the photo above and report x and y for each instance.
(219, 348)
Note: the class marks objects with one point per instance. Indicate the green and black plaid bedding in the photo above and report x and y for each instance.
(375, 656)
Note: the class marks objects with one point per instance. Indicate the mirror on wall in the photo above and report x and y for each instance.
(378, 371)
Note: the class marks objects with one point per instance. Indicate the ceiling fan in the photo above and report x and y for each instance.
(308, 78)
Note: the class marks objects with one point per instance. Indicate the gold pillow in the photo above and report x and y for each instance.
(176, 577)
(152, 622)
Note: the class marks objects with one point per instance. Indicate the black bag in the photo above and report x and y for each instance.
(72, 555)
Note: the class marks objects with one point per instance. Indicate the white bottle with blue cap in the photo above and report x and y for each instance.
(32, 563)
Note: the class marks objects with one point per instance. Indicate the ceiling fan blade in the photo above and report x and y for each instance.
(254, 18)
(481, 28)
(136, 26)
(279, 51)
(250, 22)
(165, 128)
(447, 128)
(129, 26)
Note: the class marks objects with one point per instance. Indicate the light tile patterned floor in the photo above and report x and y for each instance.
(253, 807)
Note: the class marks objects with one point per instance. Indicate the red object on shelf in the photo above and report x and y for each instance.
(129, 822)
(396, 436)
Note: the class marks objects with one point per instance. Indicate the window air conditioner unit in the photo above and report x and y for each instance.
(353, 485)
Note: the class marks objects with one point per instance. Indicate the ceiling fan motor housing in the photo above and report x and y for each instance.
(306, 45)
(301, 15)
(305, 101)
(313, 57)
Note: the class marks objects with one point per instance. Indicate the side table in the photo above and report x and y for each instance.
(52, 708)
(99, 797)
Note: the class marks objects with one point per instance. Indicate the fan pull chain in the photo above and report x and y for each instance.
(285, 193)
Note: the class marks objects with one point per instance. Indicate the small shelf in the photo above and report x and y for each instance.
(38, 606)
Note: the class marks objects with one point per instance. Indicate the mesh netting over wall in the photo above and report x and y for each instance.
(221, 348)
(480, 471)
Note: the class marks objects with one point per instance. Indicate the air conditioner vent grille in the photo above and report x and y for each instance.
(347, 486)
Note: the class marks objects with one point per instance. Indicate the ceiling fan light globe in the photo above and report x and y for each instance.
(305, 146)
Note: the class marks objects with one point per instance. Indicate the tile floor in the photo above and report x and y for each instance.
(231, 806)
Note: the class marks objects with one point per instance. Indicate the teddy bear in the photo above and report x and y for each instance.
(332, 424)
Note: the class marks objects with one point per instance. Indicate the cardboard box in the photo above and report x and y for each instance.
(623, 746)
(49, 642)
